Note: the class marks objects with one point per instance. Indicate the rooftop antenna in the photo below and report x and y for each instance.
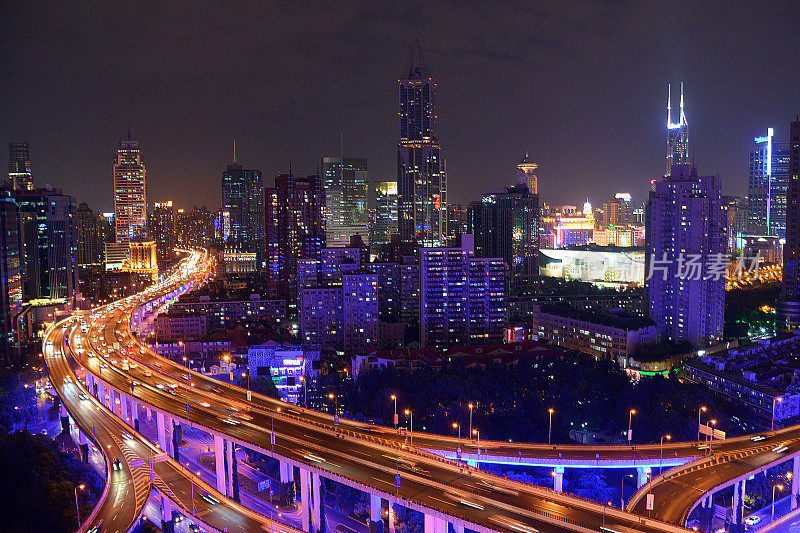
(683, 117)
(129, 132)
(234, 150)
(669, 106)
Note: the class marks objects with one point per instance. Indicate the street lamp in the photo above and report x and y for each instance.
(661, 454)
(773, 412)
(779, 487)
(249, 392)
(622, 491)
(550, 425)
(457, 426)
(701, 410)
(305, 392)
(470, 417)
(394, 398)
(713, 423)
(335, 398)
(410, 416)
(478, 433)
(78, 509)
(630, 420)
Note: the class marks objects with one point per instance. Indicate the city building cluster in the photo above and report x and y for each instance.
(336, 262)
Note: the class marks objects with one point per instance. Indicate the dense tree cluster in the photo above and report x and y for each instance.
(512, 402)
(38, 485)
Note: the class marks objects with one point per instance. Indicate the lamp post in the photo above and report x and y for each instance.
(77, 508)
(713, 423)
(305, 392)
(457, 426)
(630, 420)
(335, 398)
(773, 412)
(470, 418)
(622, 491)
(478, 433)
(550, 425)
(661, 452)
(701, 410)
(393, 397)
(410, 416)
(249, 393)
(272, 435)
(779, 487)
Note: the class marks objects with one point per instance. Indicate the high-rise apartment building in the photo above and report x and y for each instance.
(195, 227)
(49, 245)
(295, 229)
(677, 135)
(421, 173)
(505, 224)
(345, 182)
(10, 275)
(385, 213)
(91, 234)
(243, 210)
(163, 230)
(462, 298)
(130, 197)
(342, 316)
(685, 274)
(767, 185)
(457, 223)
(19, 166)
(788, 305)
(617, 213)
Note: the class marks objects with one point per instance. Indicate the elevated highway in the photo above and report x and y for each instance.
(376, 460)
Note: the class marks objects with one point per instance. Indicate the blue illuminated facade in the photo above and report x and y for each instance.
(767, 186)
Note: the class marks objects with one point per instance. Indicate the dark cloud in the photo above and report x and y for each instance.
(579, 85)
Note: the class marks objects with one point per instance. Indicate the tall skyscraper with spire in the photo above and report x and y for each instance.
(677, 135)
(421, 174)
(19, 166)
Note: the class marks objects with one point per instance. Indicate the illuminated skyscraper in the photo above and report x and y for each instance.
(130, 198)
(767, 186)
(295, 229)
(788, 305)
(163, 230)
(685, 235)
(385, 212)
(91, 239)
(19, 166)
(677, 135)
(421, 175)
(345, 181)
(10, 275)
(243, 210)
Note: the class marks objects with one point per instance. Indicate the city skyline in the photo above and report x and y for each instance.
(599, 132)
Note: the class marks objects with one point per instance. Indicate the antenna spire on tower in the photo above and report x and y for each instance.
(669, 105)
(683, 117)
(234, 150)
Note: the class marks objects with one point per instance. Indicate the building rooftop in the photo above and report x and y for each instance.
(615, 319)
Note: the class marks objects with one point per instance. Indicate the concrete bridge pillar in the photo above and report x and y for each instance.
(735, 503)
(305, 500)
(162, 437)
(318, 509)
(458, 528)
(286, 487)
(434, 524)
(392, 517)
(167, 525)
(558, 479)
(219, 459)
(795, 481)
(135, 414)
(124, 409)
(229, 459)
(149, 414)
(89, 382)
(375, 508)
(101, 392)
(642, 476)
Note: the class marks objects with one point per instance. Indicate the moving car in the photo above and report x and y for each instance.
(752, 520)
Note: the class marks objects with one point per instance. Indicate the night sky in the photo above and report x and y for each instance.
(580, 85)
